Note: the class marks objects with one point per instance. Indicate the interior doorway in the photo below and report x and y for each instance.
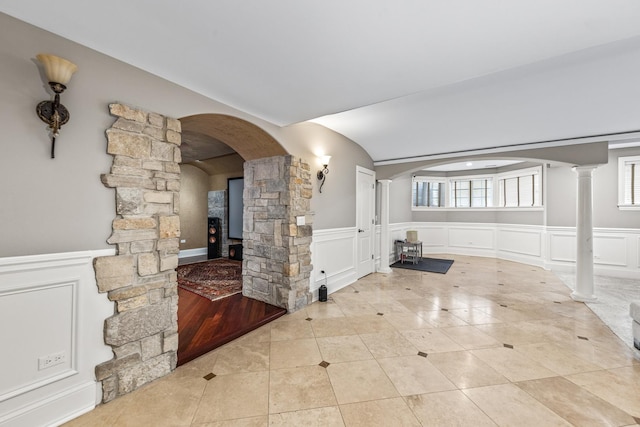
(365, 220)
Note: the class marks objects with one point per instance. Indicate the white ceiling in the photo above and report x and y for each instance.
(404, 78)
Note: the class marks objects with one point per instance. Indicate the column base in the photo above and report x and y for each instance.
(385, 270)
(583, 298)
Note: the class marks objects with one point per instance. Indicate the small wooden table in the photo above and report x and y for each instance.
(408, 251)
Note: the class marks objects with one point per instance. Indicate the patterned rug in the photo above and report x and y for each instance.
(212, 279)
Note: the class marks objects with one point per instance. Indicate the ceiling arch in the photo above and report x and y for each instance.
(248, 140)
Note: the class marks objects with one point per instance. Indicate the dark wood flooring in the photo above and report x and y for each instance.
(204, 325)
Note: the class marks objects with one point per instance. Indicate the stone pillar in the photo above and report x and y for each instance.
(584, 236)
(141, 278)
(384, 226)
(276, 251)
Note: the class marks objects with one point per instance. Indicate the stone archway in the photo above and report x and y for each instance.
(141, 277)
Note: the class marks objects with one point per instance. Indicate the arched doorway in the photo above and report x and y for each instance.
(141, 277)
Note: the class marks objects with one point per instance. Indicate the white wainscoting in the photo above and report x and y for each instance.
(334, 252)
(616, 251)
(49, 305)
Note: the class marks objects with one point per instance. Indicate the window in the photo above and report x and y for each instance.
(520, 188)
(471, 193)
(427, 192)
(629, 182)
(516, 189)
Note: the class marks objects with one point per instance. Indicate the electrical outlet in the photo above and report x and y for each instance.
(50, 360)
(183, 241)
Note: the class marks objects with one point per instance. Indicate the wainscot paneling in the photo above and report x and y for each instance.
(562, 246)
(334, 252)
(53, 321)
(472, 237)
(616, 251)
(610, 250)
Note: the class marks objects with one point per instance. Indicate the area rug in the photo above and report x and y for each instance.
(212, 279)
(431, 265)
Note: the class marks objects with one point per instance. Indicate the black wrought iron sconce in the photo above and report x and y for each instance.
(322, 174)
(58, 72)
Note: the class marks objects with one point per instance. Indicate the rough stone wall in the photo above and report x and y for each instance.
(277, 257)
(141, 278)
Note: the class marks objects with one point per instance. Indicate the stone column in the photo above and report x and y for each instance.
(584, 236)
(141, 278)
(276, 250)
(384, 226)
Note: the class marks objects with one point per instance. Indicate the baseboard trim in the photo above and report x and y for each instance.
(54, 410)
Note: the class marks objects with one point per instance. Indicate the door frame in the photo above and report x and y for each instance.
(372, 207)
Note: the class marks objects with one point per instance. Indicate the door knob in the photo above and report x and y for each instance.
(360, 230)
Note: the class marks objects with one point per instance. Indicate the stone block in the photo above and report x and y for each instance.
(136, 376)
(129, 201)
(147, 264)
(132, 303)
(120, 236)
(155, 133)
(173, 185)
(114, 181)
(158, 197)
(109, 389)
(169, 227)
(155, 120)
(113, 272)
(130, 171)
(136, 324)
(109, 368)
(128, 144)
(173, 137)
(158, 209)
(291, 269)
(156, 296)
(177, 155)
(162, 151)
(132, 348)
(264, 227)
(169, 245)
(269, 170)
(176, 203)
(151, 346)
(142, 246)
(171, 167)
(134, 223)
(261, 285)
(128, 125)
(174, 124)
(170, 343)
(128, 113)
(126, 293)
(127, 162)
(169, 262)
(153, 165)
(161, 184)
(305, 231)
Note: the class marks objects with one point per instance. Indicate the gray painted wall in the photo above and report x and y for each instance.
(60, 205)
(562, 188)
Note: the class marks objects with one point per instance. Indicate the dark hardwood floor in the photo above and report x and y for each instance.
(204, 325)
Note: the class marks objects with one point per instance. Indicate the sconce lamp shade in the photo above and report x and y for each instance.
(57, 69)
(324, 160)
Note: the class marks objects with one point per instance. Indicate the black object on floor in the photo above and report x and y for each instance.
(432, 265)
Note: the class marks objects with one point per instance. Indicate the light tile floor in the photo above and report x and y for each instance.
(492, 342)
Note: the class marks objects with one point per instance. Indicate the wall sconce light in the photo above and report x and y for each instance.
(58, 72)
(322, 173)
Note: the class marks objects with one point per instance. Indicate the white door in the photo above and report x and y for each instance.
(365, 219)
